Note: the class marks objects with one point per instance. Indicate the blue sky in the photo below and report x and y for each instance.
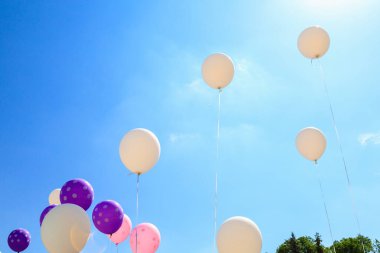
(75, 76)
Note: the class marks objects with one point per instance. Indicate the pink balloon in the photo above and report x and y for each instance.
(148, 238)
(122, 234)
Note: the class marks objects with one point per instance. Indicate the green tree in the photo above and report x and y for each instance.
(306, 244)
(293, 244)
(353, 245)
(318, 243)
(289, 246)
(302, 244)
(376, 246)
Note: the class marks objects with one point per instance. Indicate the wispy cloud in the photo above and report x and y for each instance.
(197, 86)
(248, 130)
(183, 137)
(241, 135)
(369, 138)
(242, 65)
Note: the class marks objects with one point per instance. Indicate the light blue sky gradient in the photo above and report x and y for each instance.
(75, 76)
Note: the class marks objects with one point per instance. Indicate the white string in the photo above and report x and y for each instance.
(216, 172)
(137, 204)
(324, 204)
(337, 135)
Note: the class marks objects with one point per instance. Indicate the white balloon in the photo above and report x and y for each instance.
(54, 197)
(218, 70)
(239, 235)
(139, 150)
(313, 42)
(311, 143)
(65, 229)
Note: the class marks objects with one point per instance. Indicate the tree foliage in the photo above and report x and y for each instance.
(306, 244)
(318, 243)
(354, 245)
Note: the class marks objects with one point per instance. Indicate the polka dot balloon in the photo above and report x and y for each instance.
(19, 240)
(45, 212)
(78, 192)
(108, 216)
(148, 238)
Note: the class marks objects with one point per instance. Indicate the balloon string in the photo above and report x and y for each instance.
(324, 204)
(216, 171)
(337, 135)
(137, 203)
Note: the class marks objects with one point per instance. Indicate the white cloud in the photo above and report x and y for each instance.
(369, 138)
(241, 135)
(242, 65)
(248, 130)
(197, 86)
(182, 137)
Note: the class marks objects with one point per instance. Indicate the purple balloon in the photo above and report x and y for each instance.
(108, 216)
(78, 192)
(45, 212)
(19, 240)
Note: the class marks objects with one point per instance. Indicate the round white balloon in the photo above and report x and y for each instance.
(313, 42)
(218, 70)
(139, 150)
(65, 229)
(54, 197)
(311, 143)
(239, 235)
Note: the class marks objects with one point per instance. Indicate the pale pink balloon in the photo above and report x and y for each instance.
(122, 234)
(148, 238)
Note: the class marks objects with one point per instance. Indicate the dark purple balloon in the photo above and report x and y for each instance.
(19, 240)
(78, 192)
(45, 212)
(108, 216)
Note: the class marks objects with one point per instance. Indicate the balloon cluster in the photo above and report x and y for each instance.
(240, 234)
(66, 227)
